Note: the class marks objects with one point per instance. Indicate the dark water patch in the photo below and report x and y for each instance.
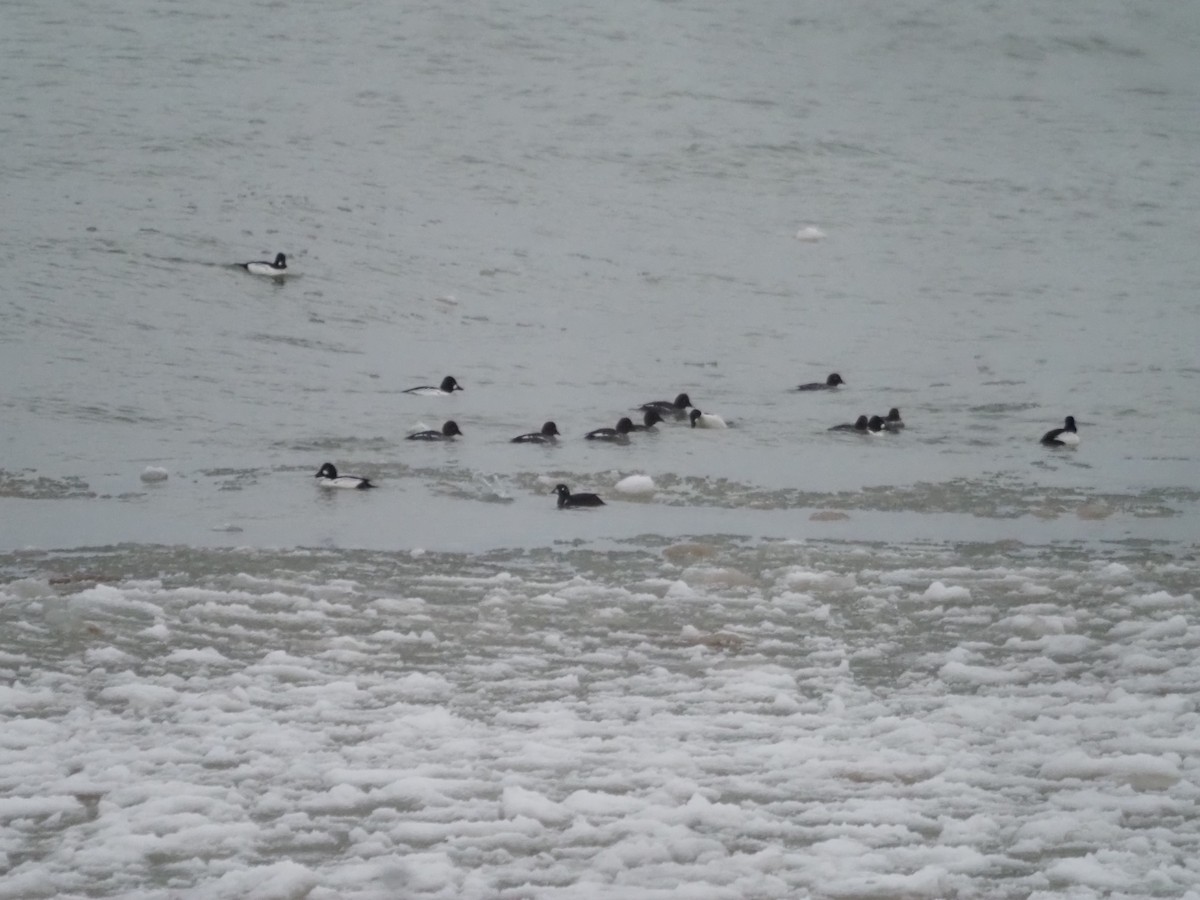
(338, 444)
(1100, 46)
(1002, 409)
(234, 479)
(27, 486)
(301, 343)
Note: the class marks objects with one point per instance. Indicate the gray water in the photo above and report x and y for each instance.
(575, 210)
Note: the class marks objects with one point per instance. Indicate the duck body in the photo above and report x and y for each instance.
(448, 432)
(829, 384)
(1066, 436)
(892, 421)
(619, 434)
(649, 420)
(262, 267)
(567, 500)
(330, 478)
(677, 407)
(548, 435)
(705, 420)
(448, 386)
(862, 425)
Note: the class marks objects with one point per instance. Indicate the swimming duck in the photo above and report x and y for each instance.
(448, 433)
(448, 386)
(330, 478)
(548, 435)
(706, 420)
(862, 425)
(1066, 436)
(567, 500)
(828, 384)
(677, 407)
(649, 420)
(620, 433)
(261, 267)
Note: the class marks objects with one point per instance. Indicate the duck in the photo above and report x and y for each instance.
(876, 424)
(330, 478)
(828, 384)
(1066, 436)
(448, 433)
(677, 407)
(548, 435)
(892, 421)
(567, 500)
(862, 425)
(620, 433)
(705, 420)
(261, 267)
(448, 386)
(649, 420)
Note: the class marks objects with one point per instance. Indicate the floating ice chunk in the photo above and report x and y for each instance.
(717, 576)
(1174, 628)
(203, 657)
(1090, 871)
(1141, 771)
(517, 801)
(680, 590)
(35, 807)
(159, 632)
(1144, 662)
(636, 485)
(285, 880)
(105, 656)
(810, 234)
(1065, 646)
(1035, 625)
(140, 696)
(929, 881)
(963, 673)
(938, 592)
(12, 699)
(688, 552)
(151, 474)
(1116, 572)
(430, 872)
(420, 686)
(1161, 600)
(786, 703)
(808, 580)
(405, 637)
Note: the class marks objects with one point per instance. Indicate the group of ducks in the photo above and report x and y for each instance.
(1067, 436)
(653, 413)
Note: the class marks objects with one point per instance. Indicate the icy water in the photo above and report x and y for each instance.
(780, 662)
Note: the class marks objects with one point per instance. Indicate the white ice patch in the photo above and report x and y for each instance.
(728, 728)
(940, 593)
(1141, 771)
(636, 485)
